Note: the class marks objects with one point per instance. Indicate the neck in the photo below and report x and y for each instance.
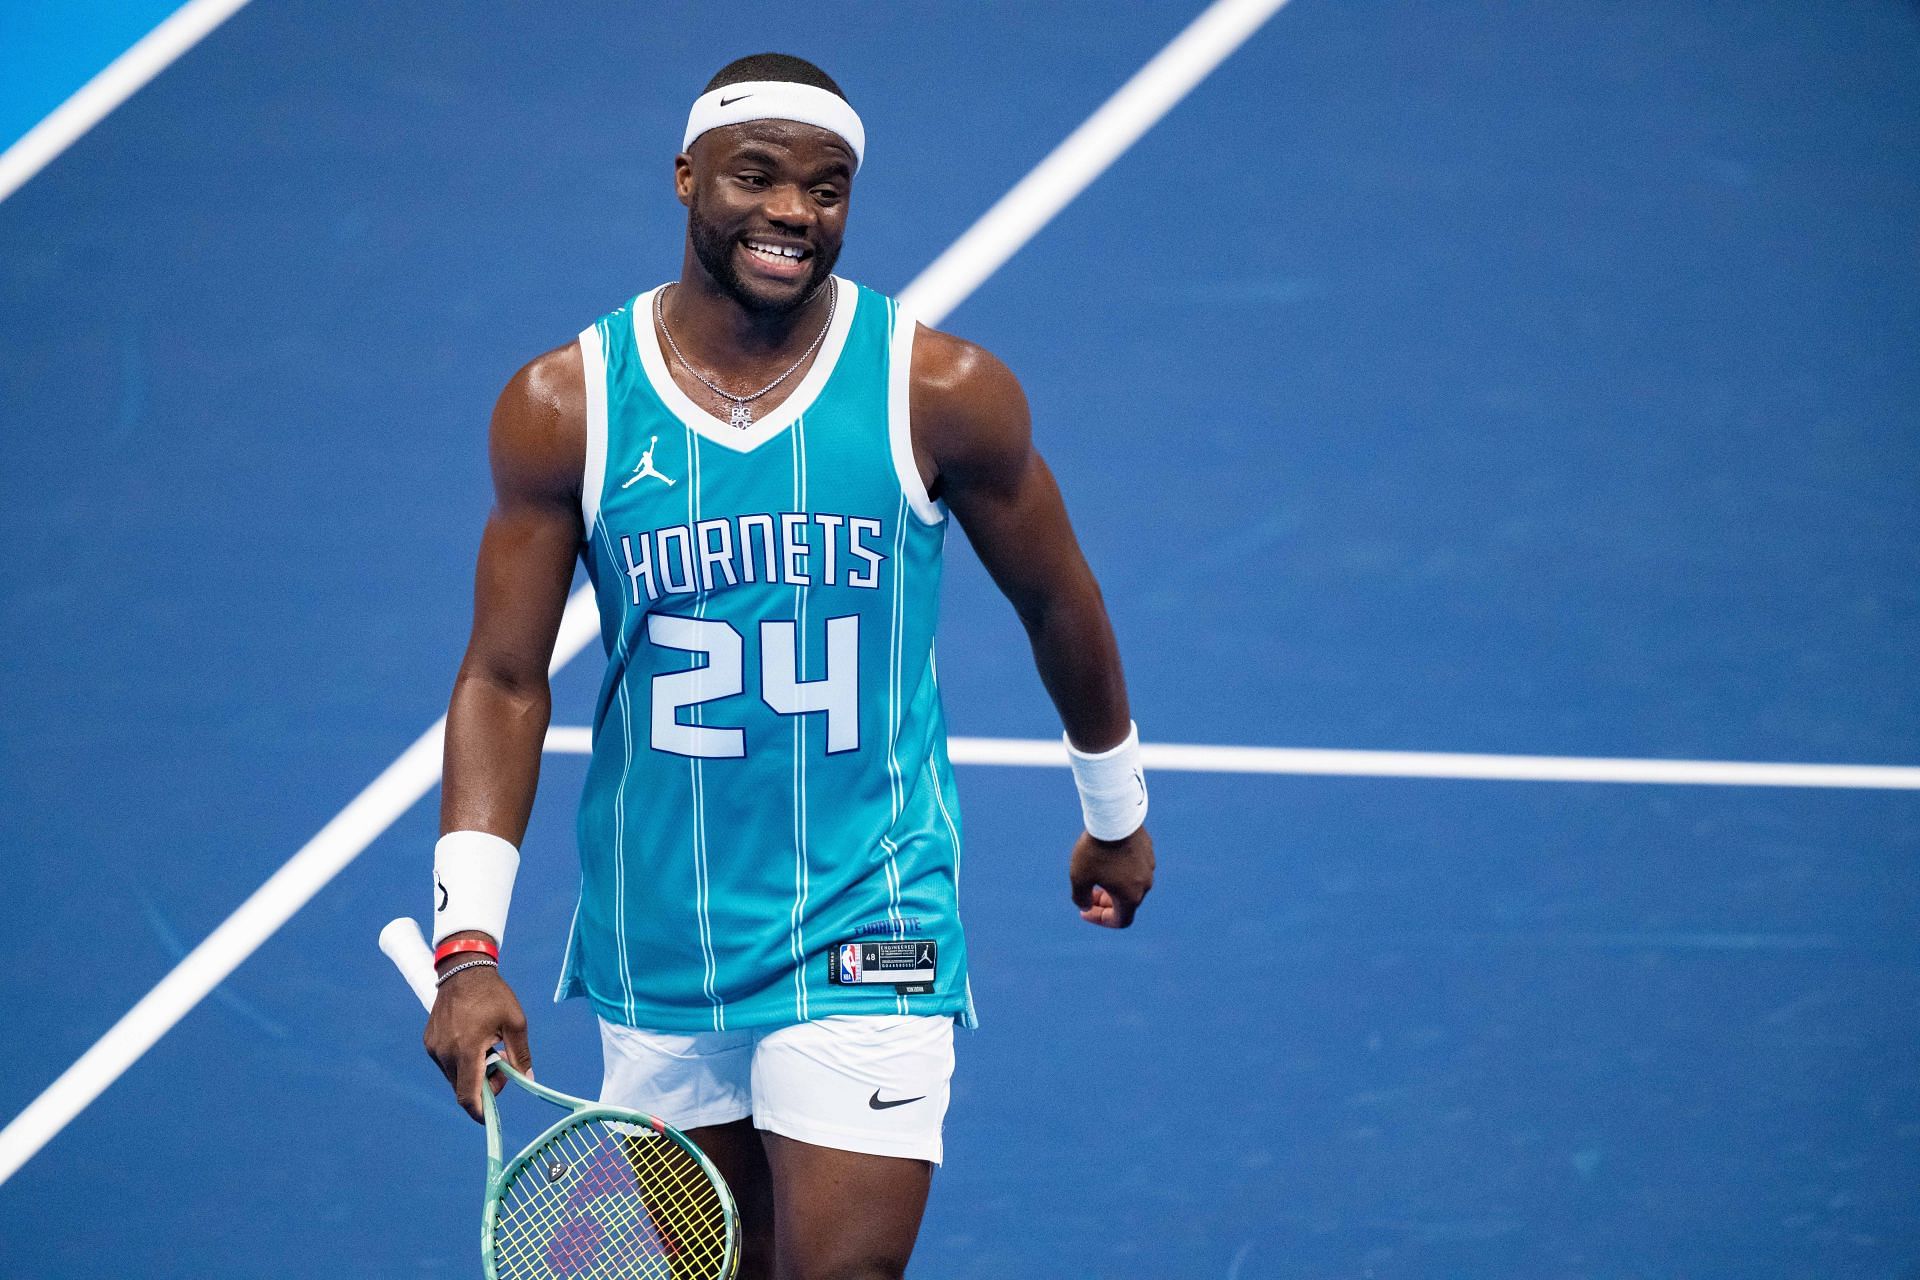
(706, 317)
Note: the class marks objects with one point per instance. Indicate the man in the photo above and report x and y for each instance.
(756, 463)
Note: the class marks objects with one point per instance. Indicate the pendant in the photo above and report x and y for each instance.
(741, 416)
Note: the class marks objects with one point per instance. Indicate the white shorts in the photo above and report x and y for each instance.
(876, 1084)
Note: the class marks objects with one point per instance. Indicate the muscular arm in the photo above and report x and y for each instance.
(497, 718)
(971, 423)
(973, 440)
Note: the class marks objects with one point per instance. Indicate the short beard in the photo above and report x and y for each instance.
(714, 249)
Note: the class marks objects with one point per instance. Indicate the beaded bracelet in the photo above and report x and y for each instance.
(441, 981)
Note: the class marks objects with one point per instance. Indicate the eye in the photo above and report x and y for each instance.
(754, 180)
(827, 195)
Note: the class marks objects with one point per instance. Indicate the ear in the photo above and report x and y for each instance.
(683, 178)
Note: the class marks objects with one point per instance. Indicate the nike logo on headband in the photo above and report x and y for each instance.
(727, 102)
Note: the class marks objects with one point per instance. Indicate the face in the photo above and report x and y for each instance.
(766, 208)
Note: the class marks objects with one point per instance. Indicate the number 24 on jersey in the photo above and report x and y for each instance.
(836, 694)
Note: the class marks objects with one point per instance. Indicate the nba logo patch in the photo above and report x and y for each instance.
(850, 962)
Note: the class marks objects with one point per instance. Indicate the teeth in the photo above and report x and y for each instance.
(774, 250)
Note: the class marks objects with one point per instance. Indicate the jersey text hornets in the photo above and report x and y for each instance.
(793, 548)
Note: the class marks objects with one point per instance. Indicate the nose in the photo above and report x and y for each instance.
(786, 203)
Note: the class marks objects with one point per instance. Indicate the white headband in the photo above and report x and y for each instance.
(776, 100)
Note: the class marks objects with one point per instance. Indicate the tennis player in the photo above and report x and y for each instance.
(756, 463)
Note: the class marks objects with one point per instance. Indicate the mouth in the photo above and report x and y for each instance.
(781, 259)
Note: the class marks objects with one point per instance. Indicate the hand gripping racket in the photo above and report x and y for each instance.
(604, 1194)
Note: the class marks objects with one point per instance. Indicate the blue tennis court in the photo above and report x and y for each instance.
(1513, 381)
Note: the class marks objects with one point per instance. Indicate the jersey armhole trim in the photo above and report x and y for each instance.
(593, 365)
(900, 419)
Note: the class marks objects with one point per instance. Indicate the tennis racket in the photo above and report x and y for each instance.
(603, 1194)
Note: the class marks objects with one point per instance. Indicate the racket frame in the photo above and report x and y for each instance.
(407, 948)
(500, 1174)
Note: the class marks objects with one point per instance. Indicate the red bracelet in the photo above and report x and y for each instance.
(454, 946)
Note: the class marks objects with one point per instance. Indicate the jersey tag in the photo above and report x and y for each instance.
(909, 965)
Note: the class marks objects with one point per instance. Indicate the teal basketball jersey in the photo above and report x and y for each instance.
(769, 831)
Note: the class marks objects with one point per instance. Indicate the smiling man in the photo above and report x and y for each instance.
(756, 464)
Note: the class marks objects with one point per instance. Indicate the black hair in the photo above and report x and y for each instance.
(773, 66)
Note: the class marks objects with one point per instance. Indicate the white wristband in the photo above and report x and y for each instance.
(472, 884)
(1113, 788)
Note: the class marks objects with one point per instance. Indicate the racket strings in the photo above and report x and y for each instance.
(605, 1199)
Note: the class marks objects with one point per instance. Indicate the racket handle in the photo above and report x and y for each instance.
(410, 954)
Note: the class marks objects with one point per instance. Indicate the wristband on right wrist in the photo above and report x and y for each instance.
(454, 946)
(473, 882)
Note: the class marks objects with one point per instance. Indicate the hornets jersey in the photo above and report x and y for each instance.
(769, 814)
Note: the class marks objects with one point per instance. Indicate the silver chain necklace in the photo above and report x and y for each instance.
(739, 415)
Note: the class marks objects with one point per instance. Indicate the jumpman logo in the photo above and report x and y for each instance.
(646, 467)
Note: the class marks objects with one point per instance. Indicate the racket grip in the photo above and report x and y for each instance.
(410, 954)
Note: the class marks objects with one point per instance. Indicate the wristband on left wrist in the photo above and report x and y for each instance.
(1112, 786)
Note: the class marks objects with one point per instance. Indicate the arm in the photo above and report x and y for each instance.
(497, 718)
(973, 441)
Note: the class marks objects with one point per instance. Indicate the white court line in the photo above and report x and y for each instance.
(1185, 758)
(115, 83)
(1080, 158)
(398, 788)
(1084, 155)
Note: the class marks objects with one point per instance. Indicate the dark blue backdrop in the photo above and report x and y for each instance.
(1531, 378)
